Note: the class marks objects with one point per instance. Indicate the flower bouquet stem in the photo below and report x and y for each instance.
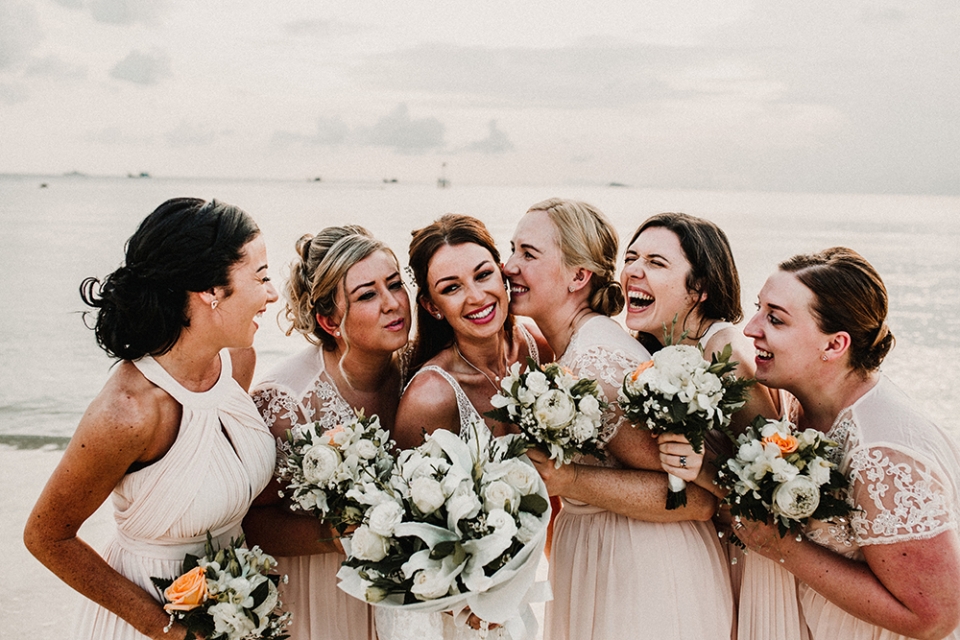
(676, 492)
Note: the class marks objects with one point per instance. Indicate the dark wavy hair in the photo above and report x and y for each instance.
(712, 268)
(433, 336)
(186, 244)
(849, 296)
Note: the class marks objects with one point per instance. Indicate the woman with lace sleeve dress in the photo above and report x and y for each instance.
(173, 435)
(346, 296)
(465, 342)
(680, 277)
(622, 565)
(891, 569)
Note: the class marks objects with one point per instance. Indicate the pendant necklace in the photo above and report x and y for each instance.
(477, 369)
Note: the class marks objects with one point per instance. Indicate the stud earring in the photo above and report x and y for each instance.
(823, 357)
(571, 288)
(214, 303)
(336, 334)
(438, 316)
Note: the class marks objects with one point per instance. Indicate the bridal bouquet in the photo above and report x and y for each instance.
(680, 392)
(227, 594)
(780, 472)
(330, 472)
(553, 408)
(461, 523)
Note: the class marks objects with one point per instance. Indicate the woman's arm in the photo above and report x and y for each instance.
(910, 588)
(128, 422)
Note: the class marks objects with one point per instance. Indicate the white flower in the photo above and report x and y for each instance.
(530, 526)
(782, 470)
(430, 583)
(502, 523)
(590, 407)
(230, 621)
(384, 517)
(500, 495)
(519, 475)
(427, 494)
(584, 428)
(750, 451)
(537, 383)
(366, 449)
(819, 470)
(320, 463)
(367, 545)
(554, 409)
(796, 499)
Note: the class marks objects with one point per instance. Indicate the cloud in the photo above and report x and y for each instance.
(119, 137)
(19, 32)
(495, 142)
(142, 68)
(396, 130)
(13, 93)
(403, 133)
(188, 134)
(55, 67)
(126, 11)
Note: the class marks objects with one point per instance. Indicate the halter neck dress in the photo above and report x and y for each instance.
(222, 458)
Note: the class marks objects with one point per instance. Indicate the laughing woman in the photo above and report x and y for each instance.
(173, 437)
(892, 569)
(621, 566)
(346, 297)
(466, 341)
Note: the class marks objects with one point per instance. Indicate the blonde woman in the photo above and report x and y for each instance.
(345, 295)
(621, 566)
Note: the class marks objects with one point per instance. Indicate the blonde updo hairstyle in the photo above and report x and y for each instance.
(317, 275)
(588, 240)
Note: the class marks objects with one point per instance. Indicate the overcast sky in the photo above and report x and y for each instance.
(823, 96)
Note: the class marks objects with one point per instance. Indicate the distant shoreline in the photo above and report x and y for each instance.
(25, 442)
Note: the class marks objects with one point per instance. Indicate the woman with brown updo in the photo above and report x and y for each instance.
(892, 568)
(346, 297)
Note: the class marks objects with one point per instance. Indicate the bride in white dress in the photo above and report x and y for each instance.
(173, 435)
(891, 569)
(346, 296)
(465, 342)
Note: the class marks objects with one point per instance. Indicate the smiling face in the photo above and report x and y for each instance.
(785, 332)
(251, 292)
(538, 278)
(466, 286)
(378, 307)
(654, 280)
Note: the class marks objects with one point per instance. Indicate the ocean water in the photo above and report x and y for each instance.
(53, 237)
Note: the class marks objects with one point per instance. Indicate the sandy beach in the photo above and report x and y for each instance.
(34, 602)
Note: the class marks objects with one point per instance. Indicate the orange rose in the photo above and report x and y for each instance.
(643, 367)
(786, 444)
(187, 592)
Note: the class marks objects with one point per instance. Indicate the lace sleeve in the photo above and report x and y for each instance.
(280, 410)
(607, 367)
(900, 496)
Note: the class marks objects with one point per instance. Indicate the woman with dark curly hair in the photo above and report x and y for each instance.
(173, 435)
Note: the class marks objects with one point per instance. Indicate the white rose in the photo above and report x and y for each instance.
(466, 505)
(537, 383)
(530, 526)
(796, 499)
(320, 463)
(427, 494)
(522, 477)
(584, 428)
(500, 495)
(590, 407)
(367, 545)
(502, 523)
(366, 449)
(554, 409)
(782, 470)
(384, 517)
(808, 438)
(230, 621)
(430, 583)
